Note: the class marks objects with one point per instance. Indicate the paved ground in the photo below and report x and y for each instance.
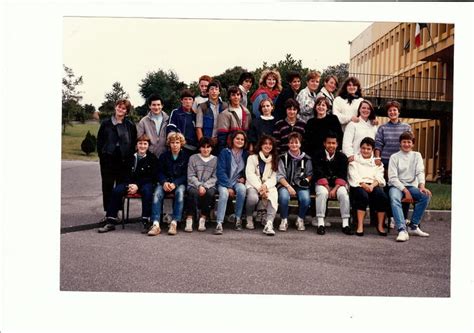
(242, 262)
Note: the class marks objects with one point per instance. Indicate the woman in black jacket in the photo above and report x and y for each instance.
(115, 146)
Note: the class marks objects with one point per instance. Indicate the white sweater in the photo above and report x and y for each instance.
(364, 170)
(255, 180)
(344, 111)
(354, 134)
(406, 169)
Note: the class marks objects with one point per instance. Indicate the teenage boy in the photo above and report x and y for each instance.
(294, 82)
(141, 176)
(330, 173)
(406, 178)
(154, 125)
(246, 81)
(235, 117)
(207, 113)
(203, 83)
(183, 120)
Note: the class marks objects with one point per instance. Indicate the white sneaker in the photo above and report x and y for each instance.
(283, 225)
(300, 224)
(314, 221)
(418, 232)
(249, 224)
(268, 230)
(392, 223)
(327, 224)
(202, 224)
(402, 236)
(189, 225)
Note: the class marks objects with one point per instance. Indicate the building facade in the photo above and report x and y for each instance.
(393, 64)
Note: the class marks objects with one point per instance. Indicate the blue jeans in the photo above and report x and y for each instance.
(115, 203)
(421, 202)
(178, 202)
(240, 192)
(304, 201)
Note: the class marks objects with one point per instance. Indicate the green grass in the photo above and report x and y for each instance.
(71, 142)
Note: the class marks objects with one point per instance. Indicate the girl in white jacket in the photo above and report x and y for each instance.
(261, 172)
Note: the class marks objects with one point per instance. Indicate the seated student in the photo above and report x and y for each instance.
(264, 124)
(295, 171)
(208, 112)
(203, 84)
(245, 82)
(172, 167)
(140, 178)
(235, 118)
(307, 97)
(366, 180)
(330, 173)
(231, 179)
(294, 85)
(183, 120)
(284, 127)
(154, 125)
(261, 174)
(201, 185)
(406, 178)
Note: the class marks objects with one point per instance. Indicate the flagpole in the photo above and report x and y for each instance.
(431, 39)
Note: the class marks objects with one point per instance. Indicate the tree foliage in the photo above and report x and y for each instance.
(165, 84)
(117, 93)
(70, 96)
(107, 107)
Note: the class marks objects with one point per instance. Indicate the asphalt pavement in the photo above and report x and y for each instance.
(247, 262)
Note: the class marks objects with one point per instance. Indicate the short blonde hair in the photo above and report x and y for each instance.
(175, 136)
(266, 73)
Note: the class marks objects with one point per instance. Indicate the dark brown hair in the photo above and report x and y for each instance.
(273, 152)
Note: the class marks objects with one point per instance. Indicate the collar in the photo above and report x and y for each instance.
(328, 157)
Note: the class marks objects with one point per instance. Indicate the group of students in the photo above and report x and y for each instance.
(293, 143)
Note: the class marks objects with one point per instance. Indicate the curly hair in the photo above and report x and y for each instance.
(175, 136)
(265, 74)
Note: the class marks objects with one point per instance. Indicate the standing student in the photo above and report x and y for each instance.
(245, 82)
(328, 90)
(366, 186)
(356, 131)
(269, 86)
(235, 118)
(330, 173)
(284, 127)
(202, 180)
(307, 97)
(140, 178)
(115, 145)
(406, 178)
(347, 102)
(203, 84)
(183, 120)
(261, 173)
(171, 174)
(295, 172)
(154, 125)
(265, 124)
(208, 112)
(231, 179)
(294, 85)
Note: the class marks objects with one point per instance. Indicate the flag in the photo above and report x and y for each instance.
(418, 28)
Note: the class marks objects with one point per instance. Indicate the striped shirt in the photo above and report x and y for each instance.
(283, 129)
(387, 138)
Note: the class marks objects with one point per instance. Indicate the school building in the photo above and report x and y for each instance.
(413, 64)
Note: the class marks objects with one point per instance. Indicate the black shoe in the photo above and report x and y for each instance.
(146, 224)
(384, 233)
(347, 230)
(106, 228)
(360, 234)
(238, 226)
(321, 230)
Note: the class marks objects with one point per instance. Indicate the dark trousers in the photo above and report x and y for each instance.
(112, 169)
(115, 204)
(377, 199)
(195, 202)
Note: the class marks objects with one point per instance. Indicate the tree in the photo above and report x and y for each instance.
(88, 145)
(70, 96)
(230, 77)
(117, 93)
(341, 71)
(165, 84)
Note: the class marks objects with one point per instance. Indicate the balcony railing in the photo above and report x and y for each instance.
(405, 87)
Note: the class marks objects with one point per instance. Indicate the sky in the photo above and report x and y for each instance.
(105, 50)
